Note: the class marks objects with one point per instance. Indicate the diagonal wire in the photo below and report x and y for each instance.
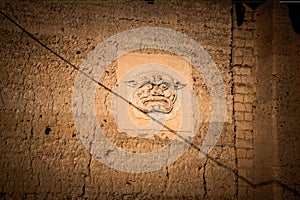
(234, 171)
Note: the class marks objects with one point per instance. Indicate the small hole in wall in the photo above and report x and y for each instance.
(150, 1)
(47, 130)
(78, 52)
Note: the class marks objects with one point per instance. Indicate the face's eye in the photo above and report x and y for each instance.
(131, 83)
(179, 85)
(163, 86)
(157, 79)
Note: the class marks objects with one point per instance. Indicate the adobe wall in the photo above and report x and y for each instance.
(42, 153)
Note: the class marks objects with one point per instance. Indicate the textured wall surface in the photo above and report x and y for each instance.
(277, 105)
(42, 156)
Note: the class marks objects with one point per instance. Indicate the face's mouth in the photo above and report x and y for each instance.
(162, 102)
(157, 105)
(154, 98)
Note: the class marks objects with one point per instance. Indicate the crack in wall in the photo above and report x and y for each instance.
(204, 179)
(233, 99)
(168, 177)
(86, 176)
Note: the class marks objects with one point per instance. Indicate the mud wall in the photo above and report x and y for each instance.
(42, 155)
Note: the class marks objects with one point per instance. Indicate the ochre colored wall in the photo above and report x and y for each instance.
(42, 156)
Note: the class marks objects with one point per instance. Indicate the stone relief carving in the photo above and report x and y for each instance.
(155, 93)
(160, 95)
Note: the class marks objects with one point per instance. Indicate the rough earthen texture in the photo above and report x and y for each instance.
(42, 157)
(277, 104)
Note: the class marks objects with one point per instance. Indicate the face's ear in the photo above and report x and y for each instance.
(178, 85)
(131, 83)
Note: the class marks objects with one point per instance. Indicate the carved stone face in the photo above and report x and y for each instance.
(155, 93)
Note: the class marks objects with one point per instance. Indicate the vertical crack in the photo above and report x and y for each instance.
(167, 180)
(167, 174)
(232, 95)
(30, 150)
(204, 179)
(85, 176)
